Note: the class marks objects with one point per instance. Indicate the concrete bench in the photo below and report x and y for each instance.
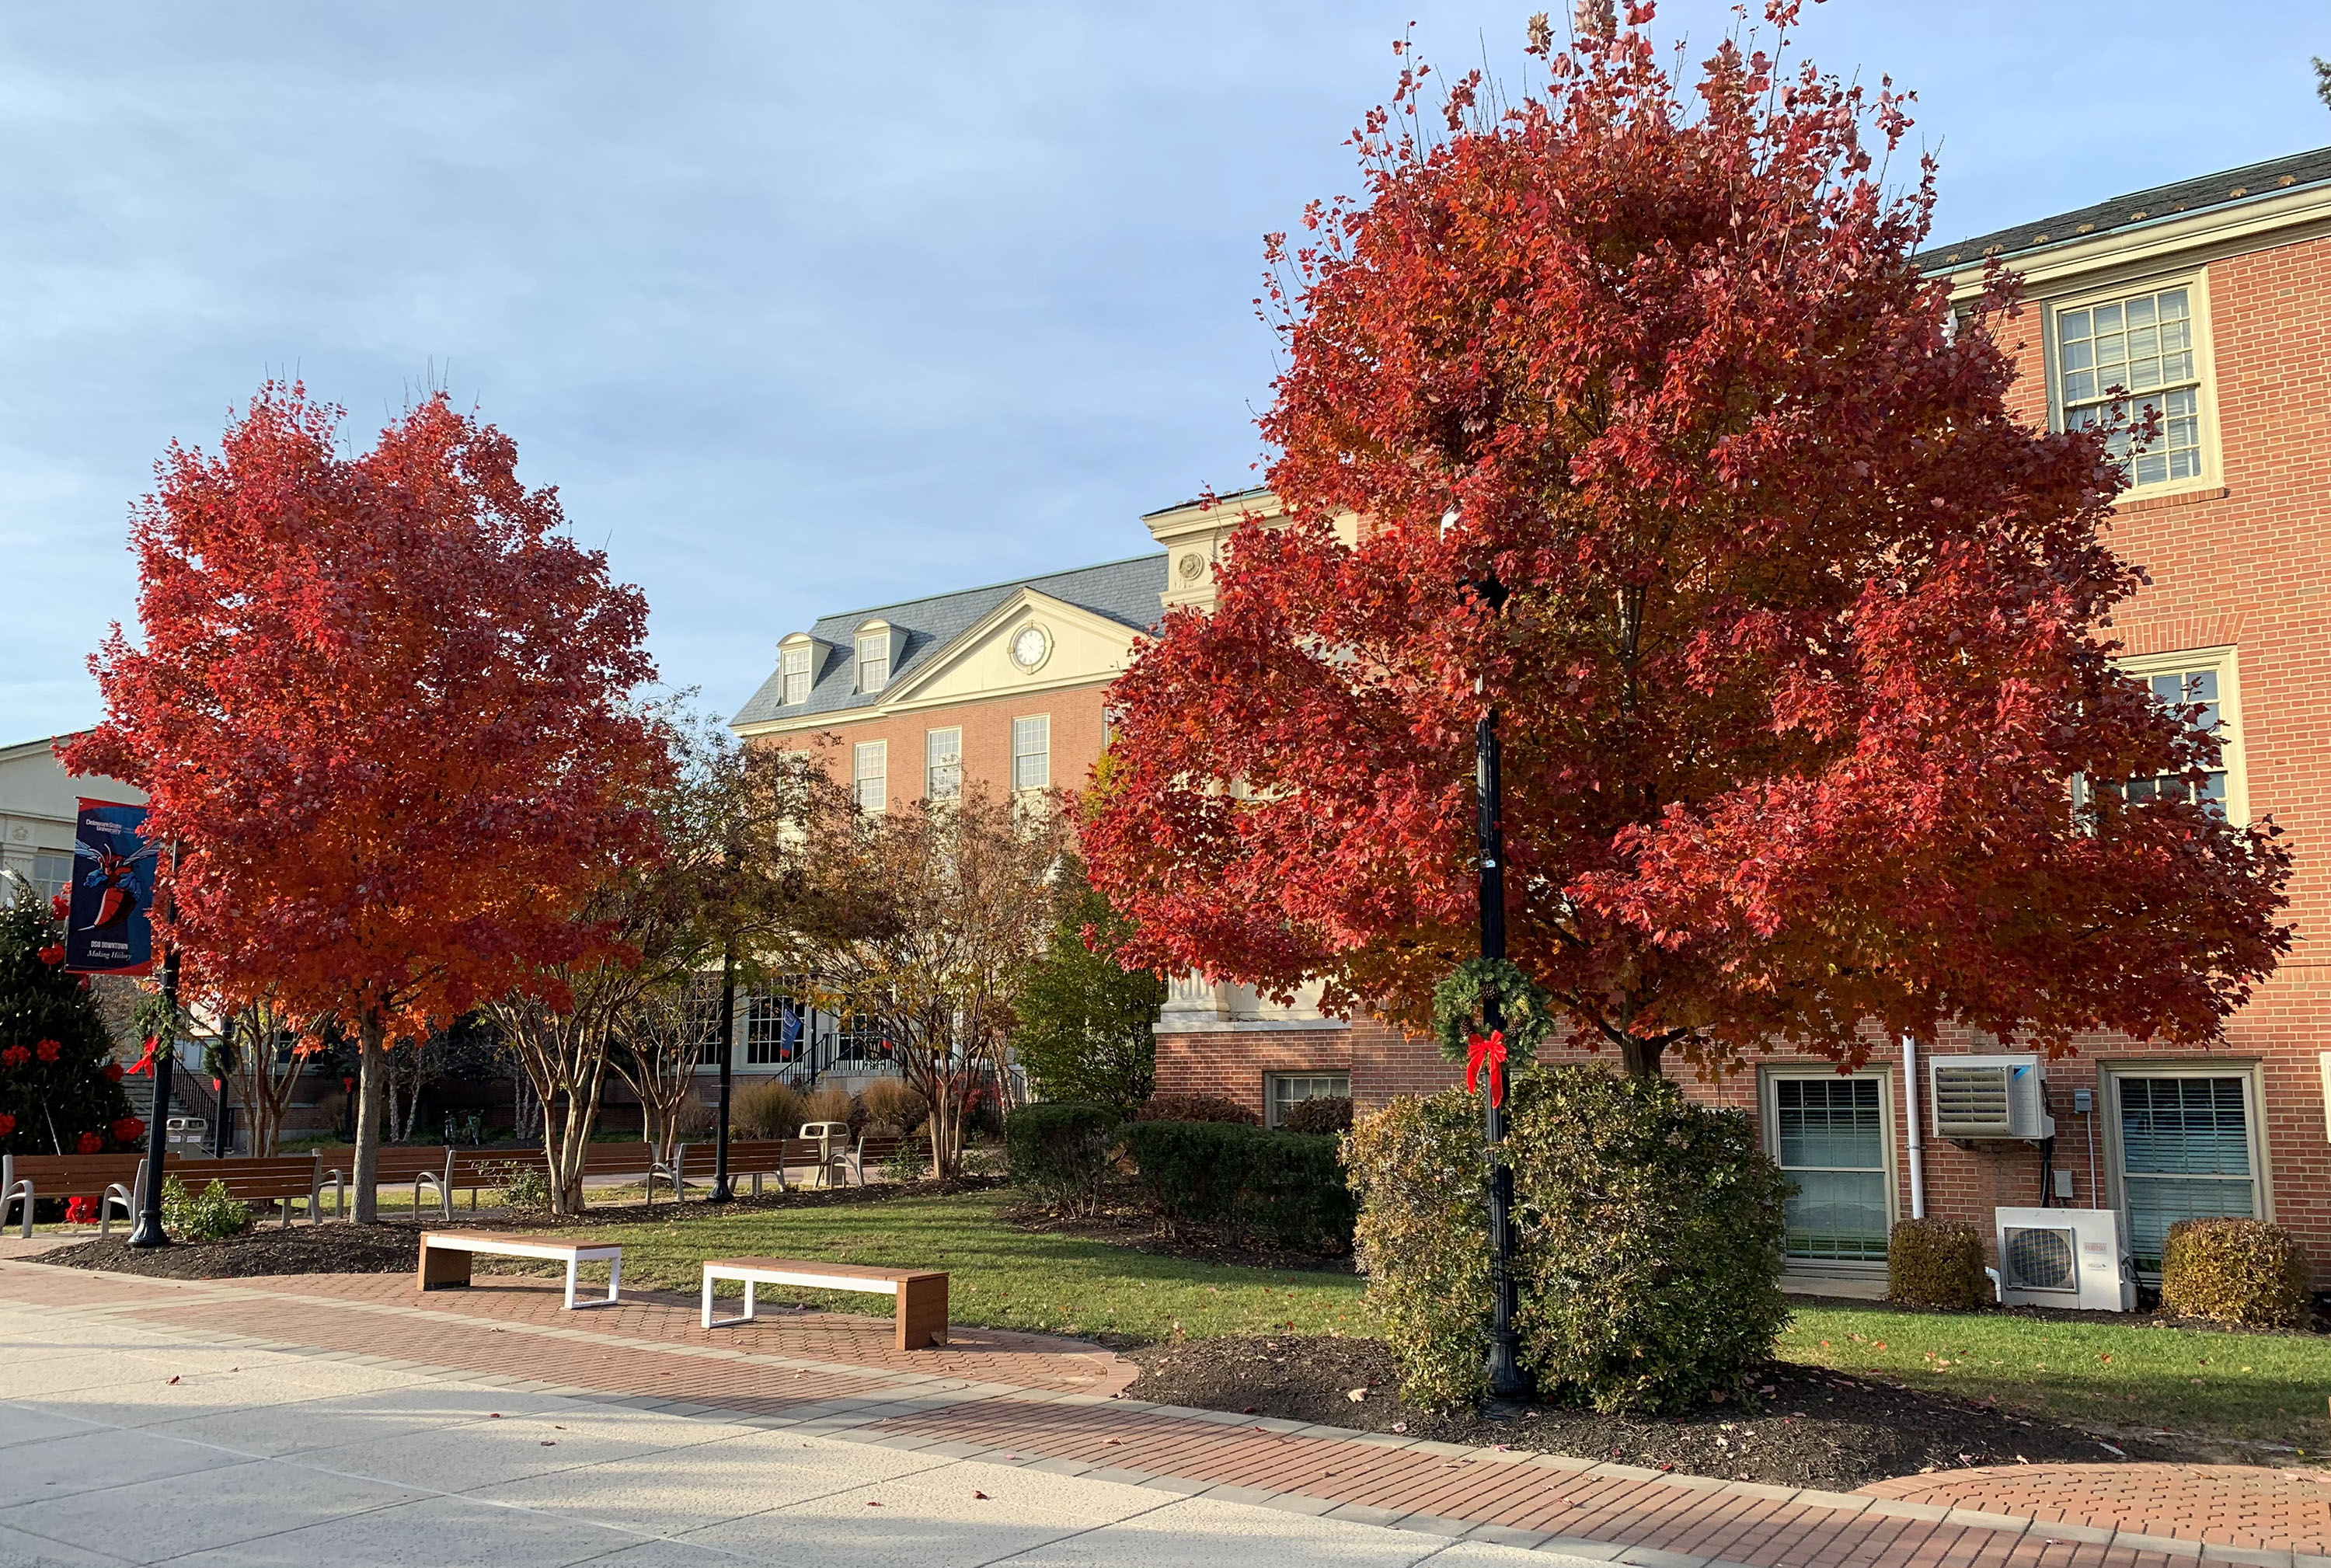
(446, 1256)
(919, 1315)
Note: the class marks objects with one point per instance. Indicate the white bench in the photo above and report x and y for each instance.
(445, 1257)
(920, 1318)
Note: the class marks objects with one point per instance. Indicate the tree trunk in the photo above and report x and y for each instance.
(1642, 1057)
(372, 1065)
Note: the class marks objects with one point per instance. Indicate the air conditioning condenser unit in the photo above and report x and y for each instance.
(2065, 1258)
(1989, 1097)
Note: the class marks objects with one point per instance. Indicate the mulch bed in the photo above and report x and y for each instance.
(1811, 1428)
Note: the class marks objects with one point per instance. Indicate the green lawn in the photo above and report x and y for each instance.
(2256, 1387)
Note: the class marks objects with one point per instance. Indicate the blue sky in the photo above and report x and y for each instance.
(806, 309)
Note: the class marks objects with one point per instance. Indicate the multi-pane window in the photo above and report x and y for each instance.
(772, 1028)
(711, 1044)
(869, 769)
(1032, 753)
(1828, 1136)
(874, 662)
(2194, 689)
(2115, 361)
(858, 1038)
(50, 871)
(2184, 1154)
(793, 665)
(1283, 1091)
(942, 764)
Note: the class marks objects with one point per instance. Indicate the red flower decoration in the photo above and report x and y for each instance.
(14, 1056)
(7, 1124)
(81, 1210)
(60, 906)
(128, 1130)
(89, 1142)
(48, 1049)
(55, 953)
(113, 1072)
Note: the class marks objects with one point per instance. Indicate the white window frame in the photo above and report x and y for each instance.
(2205, 371)
(1768, 1131)
(794, 665)
(877, 752)
(873, 667)
(1272, 1110)
(62, 861)
(2226, 662)
(1044, 719)
(934, 763)
(2109, 1076)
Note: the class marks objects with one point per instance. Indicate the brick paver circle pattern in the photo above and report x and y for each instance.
(1030, 1400)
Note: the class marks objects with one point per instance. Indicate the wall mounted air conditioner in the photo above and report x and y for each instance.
(2065, 1258)
(1988, 1097)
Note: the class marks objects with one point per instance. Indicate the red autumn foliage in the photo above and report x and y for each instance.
(1804, 651)
(384, 708)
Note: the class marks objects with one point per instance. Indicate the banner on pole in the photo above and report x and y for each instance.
(109, 927)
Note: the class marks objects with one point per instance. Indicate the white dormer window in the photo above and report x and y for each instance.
(873, 660)
(793, 665)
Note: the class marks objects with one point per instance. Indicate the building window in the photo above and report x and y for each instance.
(858, 1038)
(2203, 681)
(1032, 753)
(2141, 347)
(942, 764)
(792, 664)
(711, 1044)
(870, 767)
(52, 870)
(2187, 1151)
(874, 662)
(1282, 1091)
(1829, 1135)
(772, 1028)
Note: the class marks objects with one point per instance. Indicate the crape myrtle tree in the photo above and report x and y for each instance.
(384, 708)
(1665, 451)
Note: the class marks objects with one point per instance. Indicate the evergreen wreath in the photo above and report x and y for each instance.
(1457, 1001)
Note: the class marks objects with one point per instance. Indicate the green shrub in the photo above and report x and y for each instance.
(1937, 1263)
(1195, 1107)
(1327, 1113)
(1059, 1151)
(2242, 1271)
(211, 1217)
(1284, 1188)
(1084, 1028)
(525, 1184)
(1648, 1250)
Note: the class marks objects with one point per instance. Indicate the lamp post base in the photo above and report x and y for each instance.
(142, 1234)
(1508, 1381)
(722, 1193)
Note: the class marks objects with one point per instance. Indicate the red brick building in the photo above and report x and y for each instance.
(2210, 299)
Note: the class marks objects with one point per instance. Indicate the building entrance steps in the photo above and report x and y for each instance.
(1027, 1399)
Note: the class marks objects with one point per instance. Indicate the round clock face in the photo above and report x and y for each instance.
(1028, 648)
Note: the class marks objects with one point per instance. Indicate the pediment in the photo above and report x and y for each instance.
(1079, 647)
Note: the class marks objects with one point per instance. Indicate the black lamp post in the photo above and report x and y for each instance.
(147, 1231)
(721, 1190)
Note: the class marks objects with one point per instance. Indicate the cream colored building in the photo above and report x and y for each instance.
(38, 803)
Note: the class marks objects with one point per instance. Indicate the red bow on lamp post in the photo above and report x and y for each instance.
(1488, 1053)
(146, 1063)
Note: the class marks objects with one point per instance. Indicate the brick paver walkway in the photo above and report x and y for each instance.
(1027, 1399)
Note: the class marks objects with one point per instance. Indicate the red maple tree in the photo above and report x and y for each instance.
(1799, 639)
(385, 710)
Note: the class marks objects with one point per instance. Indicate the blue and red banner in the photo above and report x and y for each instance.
(108, 928)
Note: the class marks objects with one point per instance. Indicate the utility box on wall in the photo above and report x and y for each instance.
(1988, 1097)
(2065, 1258)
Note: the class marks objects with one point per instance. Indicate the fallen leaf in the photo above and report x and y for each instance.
(1356, 1395)
(980, 1496)
(174, 1380)
(1400, 1426)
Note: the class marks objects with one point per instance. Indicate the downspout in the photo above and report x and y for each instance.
(1917, 1128)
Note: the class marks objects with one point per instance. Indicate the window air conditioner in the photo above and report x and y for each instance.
(1988, 1097)
(2065, 1258)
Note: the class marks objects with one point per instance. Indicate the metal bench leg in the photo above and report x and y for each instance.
(614, 1285)
(744, 1317)
(572, 1265)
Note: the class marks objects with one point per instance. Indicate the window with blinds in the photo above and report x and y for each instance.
(1032, 753)
(2186, 1153)
(942, 764)
(1829, 1135)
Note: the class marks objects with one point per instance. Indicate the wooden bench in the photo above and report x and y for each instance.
(626, 1159)
(446, 1255)
(286, 1179)
(876, 1149)
(920, 1314)
(111, 1179)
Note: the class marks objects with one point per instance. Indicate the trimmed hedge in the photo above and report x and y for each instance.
(1937, 1263)
(1647, 1253)
(1327, 1113)
(1195, 1107)
(1059, 1150)
(2243, 1272)
(1285, 1188)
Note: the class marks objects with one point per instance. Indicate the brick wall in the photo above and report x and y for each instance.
(1076, 729)
(1232, 1062)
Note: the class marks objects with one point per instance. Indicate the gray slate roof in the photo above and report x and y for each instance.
(2251, 182)
(1124, 592)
